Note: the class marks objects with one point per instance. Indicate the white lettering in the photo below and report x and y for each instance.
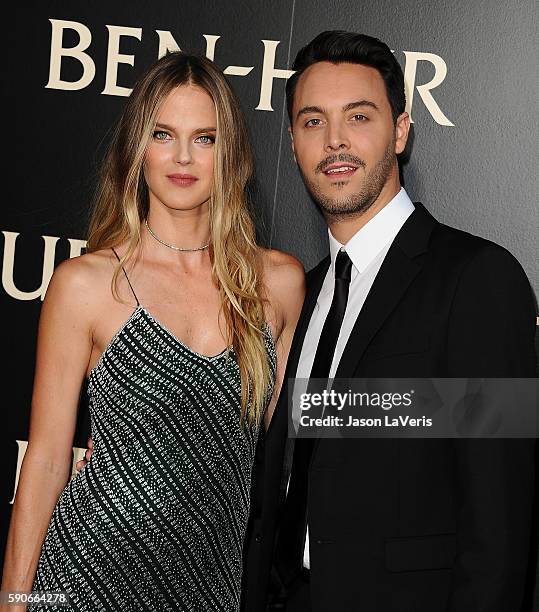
(269, 72)
(211, 39)
(412, 57)
(75, 247)
(21, 446)
(9, 264)
(166, 43)
(77, 52)
(114, 57)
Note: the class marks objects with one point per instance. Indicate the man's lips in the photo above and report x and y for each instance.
(340, 171)
(182, 180)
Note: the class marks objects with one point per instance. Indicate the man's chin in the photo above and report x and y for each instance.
(346, 205)
(340, 199)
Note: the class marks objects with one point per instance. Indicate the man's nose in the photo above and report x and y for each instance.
(336, 138)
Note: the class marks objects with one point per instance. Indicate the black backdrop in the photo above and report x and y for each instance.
(471, 72)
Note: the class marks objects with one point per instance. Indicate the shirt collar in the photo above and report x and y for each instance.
(381, 230)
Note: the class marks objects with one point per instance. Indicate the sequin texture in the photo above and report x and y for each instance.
(156, 520)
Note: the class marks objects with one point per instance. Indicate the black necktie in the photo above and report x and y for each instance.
(291, 539)
(332, 324)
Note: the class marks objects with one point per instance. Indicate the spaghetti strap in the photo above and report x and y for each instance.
(127, 278)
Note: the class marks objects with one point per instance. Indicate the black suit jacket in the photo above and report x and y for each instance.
(413, 525)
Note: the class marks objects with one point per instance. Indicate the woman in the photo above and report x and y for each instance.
(182, 325)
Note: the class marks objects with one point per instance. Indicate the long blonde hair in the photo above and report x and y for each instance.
(121, 206)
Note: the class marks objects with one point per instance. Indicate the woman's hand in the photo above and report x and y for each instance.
(87, 455)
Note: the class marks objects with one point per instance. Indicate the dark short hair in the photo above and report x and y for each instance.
(338, 47)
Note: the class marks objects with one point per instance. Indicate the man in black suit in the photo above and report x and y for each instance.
(390, 525)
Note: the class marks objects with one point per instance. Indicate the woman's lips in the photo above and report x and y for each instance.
(182, 180)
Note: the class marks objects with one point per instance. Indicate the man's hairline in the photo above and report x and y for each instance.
(336, 63)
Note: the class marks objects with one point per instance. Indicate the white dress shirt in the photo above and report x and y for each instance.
(367, 249)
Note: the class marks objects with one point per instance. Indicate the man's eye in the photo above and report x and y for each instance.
(359, 118)
(160, 135)
(312, 122)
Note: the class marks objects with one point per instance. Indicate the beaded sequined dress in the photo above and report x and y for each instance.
(156, 520)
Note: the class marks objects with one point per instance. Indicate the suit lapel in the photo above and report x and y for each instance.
(394, 277)
(401, 265)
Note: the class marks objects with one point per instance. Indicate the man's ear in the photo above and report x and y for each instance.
(291, 133)
(402, 128)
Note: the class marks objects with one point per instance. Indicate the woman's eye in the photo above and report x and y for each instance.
(205, 139)
(312, 122)
(160, 135)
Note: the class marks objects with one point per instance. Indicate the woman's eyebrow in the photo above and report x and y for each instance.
(165, 126)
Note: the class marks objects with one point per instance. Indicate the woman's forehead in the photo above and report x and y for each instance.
(186, 105)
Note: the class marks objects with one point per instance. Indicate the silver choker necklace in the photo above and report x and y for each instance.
(171, 246)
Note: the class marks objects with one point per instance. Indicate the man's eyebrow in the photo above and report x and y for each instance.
(347, 107)
(358, 103)
(309, 109)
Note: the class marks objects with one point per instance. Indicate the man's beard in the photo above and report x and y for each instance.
(355, 203)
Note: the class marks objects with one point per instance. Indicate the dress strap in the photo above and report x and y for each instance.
(127, 278)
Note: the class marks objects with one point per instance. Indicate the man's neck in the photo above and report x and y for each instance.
(343, 228)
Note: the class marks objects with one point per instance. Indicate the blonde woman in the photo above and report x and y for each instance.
(182, 325)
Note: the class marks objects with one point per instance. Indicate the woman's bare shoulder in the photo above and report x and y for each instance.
(284, 277)
(83, 272)
(280, 264)
(85, 269)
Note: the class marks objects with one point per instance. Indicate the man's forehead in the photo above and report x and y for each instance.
(338, 84)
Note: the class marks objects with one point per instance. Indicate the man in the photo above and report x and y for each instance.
(390, 525)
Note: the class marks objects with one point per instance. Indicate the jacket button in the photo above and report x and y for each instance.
(258, 538)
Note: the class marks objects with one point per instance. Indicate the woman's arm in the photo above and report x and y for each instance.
(63, 352)
(285, 285)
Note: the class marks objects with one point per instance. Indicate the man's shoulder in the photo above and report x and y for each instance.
(455, 246)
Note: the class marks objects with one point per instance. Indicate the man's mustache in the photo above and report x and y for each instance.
(341, 157)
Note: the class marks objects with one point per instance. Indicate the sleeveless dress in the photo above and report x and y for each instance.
(156, 520)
